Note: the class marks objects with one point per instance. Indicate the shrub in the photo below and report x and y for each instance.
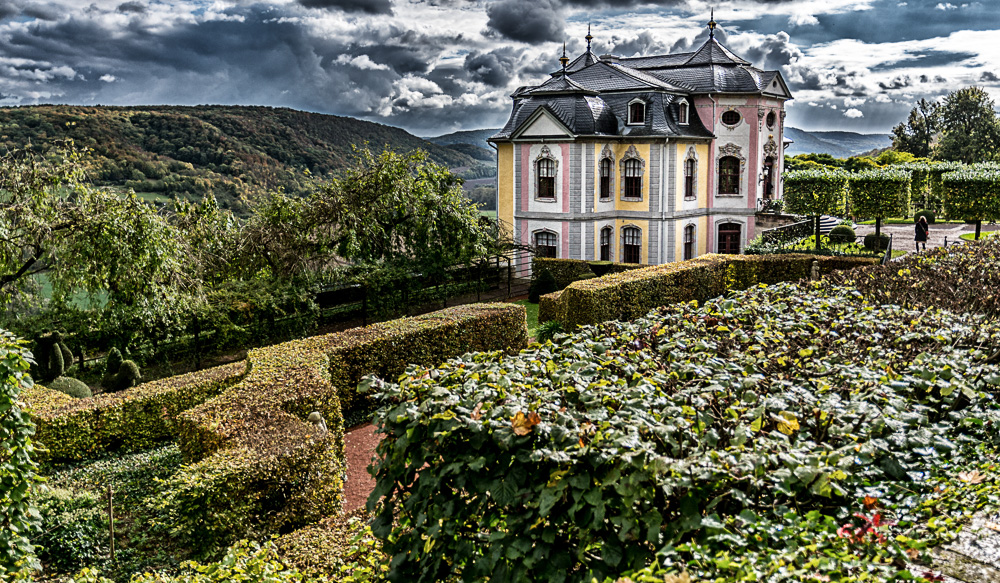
(73, 529)
(880, 193)
(842, 234)
(337, 546)
(71, 429)
(628, 295)
(548, 330)
(870, 241)
(72, 387)
(691, 433)
(18, 476)
(52, 357)
(543, 283)
(113, 361)
(815, 192)
(257, 463)
(126, 377)
(929, 215)
(563, 271)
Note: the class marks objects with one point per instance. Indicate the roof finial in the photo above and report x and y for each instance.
(588, 37)
(564, 59)
(711, 25)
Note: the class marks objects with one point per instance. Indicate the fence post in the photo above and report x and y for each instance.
(111, 519)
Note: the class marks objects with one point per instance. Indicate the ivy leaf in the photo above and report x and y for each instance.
(788, 424)
(523, 424)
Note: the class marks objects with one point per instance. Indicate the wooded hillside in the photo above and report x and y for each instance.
(187, 152)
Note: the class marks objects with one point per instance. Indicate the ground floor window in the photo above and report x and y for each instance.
(688, 242)
(729, 238)
(545, 244)
(606, 234)
(631, 245)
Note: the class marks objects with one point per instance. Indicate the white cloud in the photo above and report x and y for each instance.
(108, 78)
(362, 62)
(883, 98)
(854, 101)
(946, 6)
(802, 20)
(853, 113)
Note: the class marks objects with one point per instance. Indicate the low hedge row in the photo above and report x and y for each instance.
(259, 467)
(75, 429)
(567, 271)
(626, 296)
(334, 547)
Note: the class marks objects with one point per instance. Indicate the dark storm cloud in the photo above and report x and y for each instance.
(367, 6)
(900, 82)
(530, 21)
(777, 51)
(8, 9)
(644, 43)
(134, 7)
(690, 43)
(989, 77)
(493, 68)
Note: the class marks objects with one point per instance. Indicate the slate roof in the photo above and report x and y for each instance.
(590, 96)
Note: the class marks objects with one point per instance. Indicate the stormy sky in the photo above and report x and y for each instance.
(435, 66)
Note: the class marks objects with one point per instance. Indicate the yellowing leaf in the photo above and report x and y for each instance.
(789, 424)
(523, 424)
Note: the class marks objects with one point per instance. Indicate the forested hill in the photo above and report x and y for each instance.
(168, 151)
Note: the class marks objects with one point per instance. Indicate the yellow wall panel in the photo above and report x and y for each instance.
(505, 187)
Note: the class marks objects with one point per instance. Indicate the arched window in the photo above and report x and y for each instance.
(606, 169)
(606, 234)
(636, 112)
(631, 245)
(633, 179)
(729, 175)
(688, 242)
(690, 165)
(682, 113)
(546, 172)
(729, 238)
(545, 244)
(768, 178)
(770, 119)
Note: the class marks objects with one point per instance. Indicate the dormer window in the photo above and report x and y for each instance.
(637, 112)
(682, 113)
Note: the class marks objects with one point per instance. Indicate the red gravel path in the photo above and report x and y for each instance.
(360, 445)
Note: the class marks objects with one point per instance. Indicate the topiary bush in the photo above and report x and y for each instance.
(929, 215)
(870, 241)
(52, 357)
(113, 361)
(127, 377)
(544, 283)
(842, 234)
(72, 387)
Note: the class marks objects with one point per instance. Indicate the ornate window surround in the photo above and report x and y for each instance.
(736, 152)
(610, 229)
(731, 125)
(536, 232)
(694, 239)
(683, 107)
(545, 154)
(691, 154)
(628, 112)
(606, 154)
(631, 154)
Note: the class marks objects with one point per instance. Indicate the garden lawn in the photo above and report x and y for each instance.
(532, 314)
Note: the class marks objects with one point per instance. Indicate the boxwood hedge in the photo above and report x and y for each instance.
(741, 440)
(628, 295)
(258, 466)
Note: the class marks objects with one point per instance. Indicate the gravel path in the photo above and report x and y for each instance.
(902, 235)
(360, 445)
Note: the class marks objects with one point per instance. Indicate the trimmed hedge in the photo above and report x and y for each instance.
(259, 465)
(881, 193)
(335, 545)
(627, 296)
(76, 429)
(567, 271)
(815, 192)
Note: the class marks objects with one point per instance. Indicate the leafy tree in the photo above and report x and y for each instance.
(82, 239)
(17, 470)
(815, 193)
(971, 131)
(918, 133)
(880, 193)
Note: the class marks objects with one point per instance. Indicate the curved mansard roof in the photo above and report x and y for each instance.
(590, 95)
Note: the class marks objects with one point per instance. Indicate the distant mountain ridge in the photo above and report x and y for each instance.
(837, 144)
(163, 152)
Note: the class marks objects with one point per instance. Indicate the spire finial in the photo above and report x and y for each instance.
(711, 24)
(564, 59)
(588, 37)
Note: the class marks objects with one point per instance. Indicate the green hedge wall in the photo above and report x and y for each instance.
(880, 193)
(567, 271)
(137, 418)
(259, 466)
(815, 192)
(626, 296)
(973, 193)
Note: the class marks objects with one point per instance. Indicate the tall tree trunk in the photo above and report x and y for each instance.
(878, 234)
(979, 228)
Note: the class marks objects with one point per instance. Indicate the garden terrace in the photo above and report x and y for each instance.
(629, 295)
(788, 433)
